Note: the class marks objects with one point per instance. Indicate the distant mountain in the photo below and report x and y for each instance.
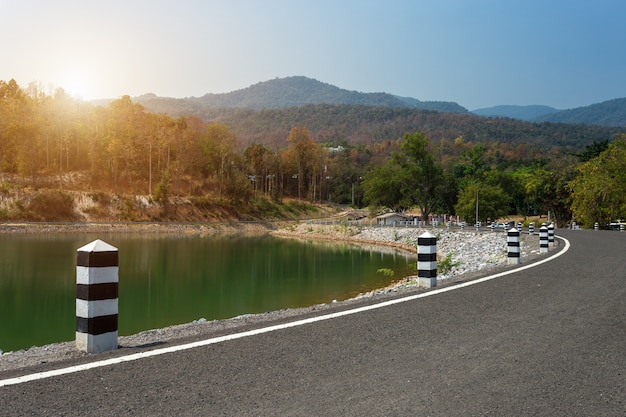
(608, 113)
(288, 92)
(516, 112)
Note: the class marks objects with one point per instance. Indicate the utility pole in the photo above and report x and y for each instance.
(476, 207)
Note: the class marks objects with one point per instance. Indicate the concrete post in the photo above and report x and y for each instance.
(97, 297)
(543, 239)
(531, 228)
(519, 226)
(513, 246)
(427, 260)
(551, 235)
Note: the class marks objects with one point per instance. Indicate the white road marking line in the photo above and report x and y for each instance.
(215, 340)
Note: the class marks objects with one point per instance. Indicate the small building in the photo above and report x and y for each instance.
(389, 219)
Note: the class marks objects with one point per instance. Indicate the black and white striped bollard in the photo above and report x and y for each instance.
(543, 239)
(427, 260)
(551, 235)
(531, 228)
(596, 226)
(512, 243)
(97, 281)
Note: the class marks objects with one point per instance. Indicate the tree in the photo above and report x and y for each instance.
(493, 203)
(409, 178)
(383, 187)
(599, 190)
(303, 153)
(258, 158)
(219, 145)
(422, 174)
(593, 150)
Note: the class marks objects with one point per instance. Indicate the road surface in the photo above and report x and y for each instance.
(546, 341)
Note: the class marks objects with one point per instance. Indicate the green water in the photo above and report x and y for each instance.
(166, 280)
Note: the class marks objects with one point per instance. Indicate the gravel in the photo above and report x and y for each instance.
(469, 252)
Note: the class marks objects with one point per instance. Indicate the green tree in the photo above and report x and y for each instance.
(593, 150)
(412, 177)
(422, 174)
(599, 190)
(493, 203)
(383, 187)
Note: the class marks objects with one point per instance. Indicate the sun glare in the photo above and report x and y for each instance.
(77, 87)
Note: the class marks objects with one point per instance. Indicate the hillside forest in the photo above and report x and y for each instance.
(123, 162)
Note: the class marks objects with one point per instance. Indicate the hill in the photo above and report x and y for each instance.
(516, 112)
(607, 113)
(287, 92)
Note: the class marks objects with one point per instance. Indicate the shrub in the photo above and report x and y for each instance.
(50, 205)
(446, 264)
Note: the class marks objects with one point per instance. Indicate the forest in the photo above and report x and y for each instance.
(56, 151)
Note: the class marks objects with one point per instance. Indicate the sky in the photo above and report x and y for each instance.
(478, 53)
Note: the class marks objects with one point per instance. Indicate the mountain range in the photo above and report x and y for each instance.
(528, 113)
(608, 113)
(298, 91)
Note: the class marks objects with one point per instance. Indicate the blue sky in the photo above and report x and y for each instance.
(478, 53)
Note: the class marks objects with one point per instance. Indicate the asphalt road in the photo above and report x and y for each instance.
(546, 341)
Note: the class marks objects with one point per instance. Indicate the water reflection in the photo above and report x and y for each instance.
(172, 279)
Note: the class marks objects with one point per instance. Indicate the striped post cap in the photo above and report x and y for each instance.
(427, 260)
(513, 247)
(543, 239)
(96, 297)
(551, 234)
(531, 228)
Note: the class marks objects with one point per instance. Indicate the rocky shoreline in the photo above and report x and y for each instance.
(469, 253)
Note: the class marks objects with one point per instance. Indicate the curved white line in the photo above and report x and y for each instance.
(171, 349)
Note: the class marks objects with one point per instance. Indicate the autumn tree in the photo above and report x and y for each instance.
(304, 155)
(258, 159)
(219, 145)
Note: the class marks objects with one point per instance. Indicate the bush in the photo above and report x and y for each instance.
(446, 264)
(50, 205)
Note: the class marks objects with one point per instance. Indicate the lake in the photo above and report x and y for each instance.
(167, 279)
